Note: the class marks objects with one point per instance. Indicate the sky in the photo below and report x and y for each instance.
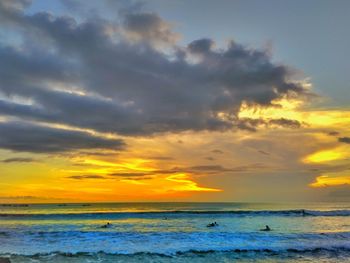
(131, 101)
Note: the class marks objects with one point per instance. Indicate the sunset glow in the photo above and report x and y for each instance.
(174, 131)
(134, 106)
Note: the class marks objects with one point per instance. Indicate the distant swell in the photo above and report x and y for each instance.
(112, 215)
(316, 250)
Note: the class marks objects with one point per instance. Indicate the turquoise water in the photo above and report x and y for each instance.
(175, 232)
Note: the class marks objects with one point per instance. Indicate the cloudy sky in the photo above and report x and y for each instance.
(174, 100)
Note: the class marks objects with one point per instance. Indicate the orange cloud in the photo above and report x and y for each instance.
(331, 180)
(186, 184)
(324, 156)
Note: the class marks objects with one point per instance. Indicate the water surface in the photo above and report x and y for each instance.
(175, 232)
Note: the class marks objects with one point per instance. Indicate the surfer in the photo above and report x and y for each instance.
(212, 224)
(303, 212)
(106, 225)
(267, 228)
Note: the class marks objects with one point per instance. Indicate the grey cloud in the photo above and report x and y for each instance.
(9, 9)
(201, 46)
(253, 124)
(197, 170)
(160, 158)
(285, 123)
(249, 124)
(333, 133)
(130, 174)
(324, 168)
(15, 5)
(125, 175)
(149, 27)
(341, 192)
(28, 137)
(138, 178)
(19, 160)
(217, 151)
(82, 177)
(263, 152)
(344, 139)
(109, 153)
(71, 4)
(208, 169)
(130, 88)
(63, 107)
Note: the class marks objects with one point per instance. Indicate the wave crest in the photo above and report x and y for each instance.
(299, 212)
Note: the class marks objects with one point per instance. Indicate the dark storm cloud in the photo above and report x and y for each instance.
(344, 140)
(111, 77)
(26, 137)
(19, 160)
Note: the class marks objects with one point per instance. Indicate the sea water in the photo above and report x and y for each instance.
(175, 232)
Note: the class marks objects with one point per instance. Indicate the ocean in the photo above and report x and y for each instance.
(175, 232)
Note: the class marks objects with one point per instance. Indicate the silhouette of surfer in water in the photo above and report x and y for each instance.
(212, 224)
(267, 228)
(106, 225)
